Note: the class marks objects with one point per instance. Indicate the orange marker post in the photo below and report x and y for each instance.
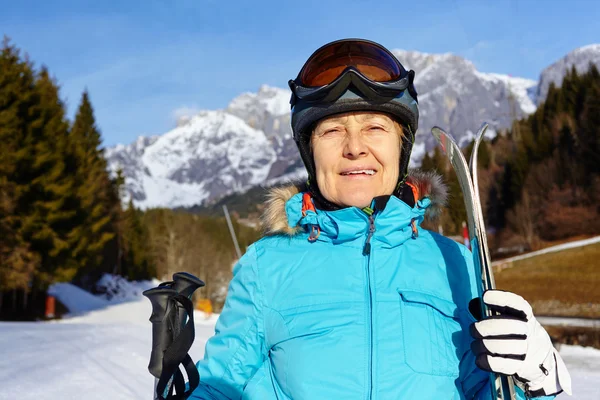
(50, 306)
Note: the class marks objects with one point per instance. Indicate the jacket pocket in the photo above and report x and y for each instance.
(432, 334)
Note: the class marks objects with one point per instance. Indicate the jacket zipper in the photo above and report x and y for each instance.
(367, 254)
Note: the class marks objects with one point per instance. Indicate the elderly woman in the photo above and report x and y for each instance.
(347, 297)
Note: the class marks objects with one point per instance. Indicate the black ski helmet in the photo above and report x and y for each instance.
(352, 90)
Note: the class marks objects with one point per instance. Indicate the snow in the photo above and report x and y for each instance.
(299, 174)
(579, 58)
(104, 353)
(112, 289)
(520, 88)
(75, 299)
(589, 47)
(163, 192)
(274, 100)
(417, 154)
(180, 167)
(584, 366)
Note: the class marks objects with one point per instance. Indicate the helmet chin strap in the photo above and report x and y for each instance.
(402, 192)
(320, 201)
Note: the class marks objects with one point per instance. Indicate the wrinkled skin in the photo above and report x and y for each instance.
(356, 141)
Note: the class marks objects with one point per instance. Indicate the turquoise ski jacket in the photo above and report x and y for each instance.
(341, 305)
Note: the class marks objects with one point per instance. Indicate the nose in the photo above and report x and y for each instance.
(354, 146)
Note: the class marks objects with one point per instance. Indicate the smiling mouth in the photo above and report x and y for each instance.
(359, 172)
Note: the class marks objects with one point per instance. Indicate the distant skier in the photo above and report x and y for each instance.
(347, 297)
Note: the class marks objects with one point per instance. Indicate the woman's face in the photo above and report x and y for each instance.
(357, 157)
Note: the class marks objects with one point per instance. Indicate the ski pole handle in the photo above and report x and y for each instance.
(162, 325)
(172, 334)
(184, 284)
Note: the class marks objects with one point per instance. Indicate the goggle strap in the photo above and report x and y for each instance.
(375, 91)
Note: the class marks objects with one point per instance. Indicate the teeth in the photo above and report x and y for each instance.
(362, 171)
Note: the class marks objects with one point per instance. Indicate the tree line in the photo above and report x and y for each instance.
(59, 208)
(61, 213)
(539, 180)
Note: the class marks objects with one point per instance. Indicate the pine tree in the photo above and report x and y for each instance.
(484, 158)
(426, 163)
(566, 152)
(34, 137)
(483, 154)
(506, 197)
(590, 128)
(555, 100)
(469, 149)
(569, 89)
(455, 205)
(439, 161)
(56, 204)
(559, 152)
(95, 192)
(18, 107)
(17, 262)
(137, 262)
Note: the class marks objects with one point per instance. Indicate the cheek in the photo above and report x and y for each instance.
(323, 157)
(325, 169)
(389, 155)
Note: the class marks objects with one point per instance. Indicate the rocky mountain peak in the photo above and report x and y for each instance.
(215, 152)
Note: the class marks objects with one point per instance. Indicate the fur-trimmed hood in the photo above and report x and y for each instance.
(425, 185)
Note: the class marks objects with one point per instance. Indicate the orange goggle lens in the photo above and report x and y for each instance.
(371, 60)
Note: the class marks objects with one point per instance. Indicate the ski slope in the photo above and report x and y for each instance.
(103, 354)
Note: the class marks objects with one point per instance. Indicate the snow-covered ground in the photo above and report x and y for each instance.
(103, 353)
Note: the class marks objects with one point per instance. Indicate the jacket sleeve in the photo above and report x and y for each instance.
(476, 382)
(237, 350)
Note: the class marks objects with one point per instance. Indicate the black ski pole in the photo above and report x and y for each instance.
(172, 335)
(184, 284)
(162, 327)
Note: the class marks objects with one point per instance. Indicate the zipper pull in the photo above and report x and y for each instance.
(367, 248)
(415, 231)
(315, 231)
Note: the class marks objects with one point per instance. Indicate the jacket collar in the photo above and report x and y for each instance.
(394, 224)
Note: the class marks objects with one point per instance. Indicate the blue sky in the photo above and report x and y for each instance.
(144, 62)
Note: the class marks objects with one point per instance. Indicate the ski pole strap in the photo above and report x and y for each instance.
(177, 353)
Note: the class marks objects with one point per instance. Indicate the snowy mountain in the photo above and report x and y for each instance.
(579, 58)
(249, 142)
(212, 154)
(454, 95)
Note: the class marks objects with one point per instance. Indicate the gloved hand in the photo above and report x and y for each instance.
(514, 343)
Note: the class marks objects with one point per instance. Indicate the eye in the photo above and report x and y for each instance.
(330, 131)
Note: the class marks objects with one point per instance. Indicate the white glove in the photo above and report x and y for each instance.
(514, 343)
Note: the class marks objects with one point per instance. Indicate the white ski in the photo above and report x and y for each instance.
(486, 265)
(503, 386)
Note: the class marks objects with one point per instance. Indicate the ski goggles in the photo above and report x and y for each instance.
(370, 67)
